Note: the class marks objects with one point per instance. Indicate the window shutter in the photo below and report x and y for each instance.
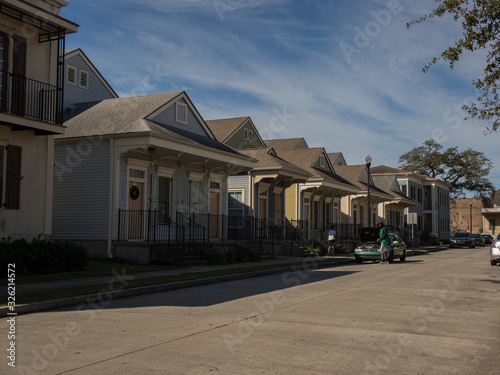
(71, 75)
(13, 180)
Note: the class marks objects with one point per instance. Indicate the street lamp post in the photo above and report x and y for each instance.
(368, 160)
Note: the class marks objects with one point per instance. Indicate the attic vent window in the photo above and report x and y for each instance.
(181, 113)
(248, 135)
(84, 79)
(322, 161)
(71, 75)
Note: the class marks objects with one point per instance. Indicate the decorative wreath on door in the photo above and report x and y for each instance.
(134, 192)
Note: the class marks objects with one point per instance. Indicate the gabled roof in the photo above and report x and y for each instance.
(353, 174)
(305, 159)
(115, 116)
(337, 158)
(267, 159)
(390, 185)
(286, 144)
(132, 116)
(223, 128)
(383, 169)
(77, 51)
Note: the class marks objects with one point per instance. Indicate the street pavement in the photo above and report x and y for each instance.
(434, 314)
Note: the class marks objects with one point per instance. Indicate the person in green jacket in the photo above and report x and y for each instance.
(383, 239)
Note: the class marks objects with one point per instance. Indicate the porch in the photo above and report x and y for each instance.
(188, 237)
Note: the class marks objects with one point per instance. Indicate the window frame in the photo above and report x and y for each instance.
(242, 209)
(177, 112)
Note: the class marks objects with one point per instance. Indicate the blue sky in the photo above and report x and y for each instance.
(345, 75)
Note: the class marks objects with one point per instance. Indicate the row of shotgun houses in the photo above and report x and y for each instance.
(147, 178)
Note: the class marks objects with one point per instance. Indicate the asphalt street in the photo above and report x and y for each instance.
(433, 314)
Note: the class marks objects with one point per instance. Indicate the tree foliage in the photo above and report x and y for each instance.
(481, 29)
(464, 170)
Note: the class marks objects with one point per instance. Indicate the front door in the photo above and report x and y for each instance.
(136, 216)
(214, 214)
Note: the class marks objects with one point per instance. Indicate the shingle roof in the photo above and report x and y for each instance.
(352, 173)
(128, 115)
(223, 128)
(283, 144)
(266, 160)
(385, 169)
(385, 183)
(115, 116)
(305, 157)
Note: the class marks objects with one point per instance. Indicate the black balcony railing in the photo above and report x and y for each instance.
(29, 98)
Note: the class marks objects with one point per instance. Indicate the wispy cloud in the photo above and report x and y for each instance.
(284, 55)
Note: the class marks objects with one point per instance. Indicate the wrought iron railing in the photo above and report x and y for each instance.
(29, 98)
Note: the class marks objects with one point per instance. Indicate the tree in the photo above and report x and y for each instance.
(481, 28)
(464, 170)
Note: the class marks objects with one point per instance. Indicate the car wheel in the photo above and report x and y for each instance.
(403, 257)
(493, 262)
(390, 259)
(358, 260)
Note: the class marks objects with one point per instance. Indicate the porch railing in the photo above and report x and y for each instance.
(29, 98)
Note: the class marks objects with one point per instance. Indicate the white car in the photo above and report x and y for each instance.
(495, 251)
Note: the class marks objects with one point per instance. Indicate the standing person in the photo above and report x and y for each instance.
(332, 233)
(383, 239)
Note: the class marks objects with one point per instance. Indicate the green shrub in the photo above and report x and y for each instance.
(429, 238)
(42, 256)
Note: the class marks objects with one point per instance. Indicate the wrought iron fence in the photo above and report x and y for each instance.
(29, 98)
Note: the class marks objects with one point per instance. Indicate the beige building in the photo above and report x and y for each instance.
(32, 37)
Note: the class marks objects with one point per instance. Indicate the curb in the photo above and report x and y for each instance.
(97, 298)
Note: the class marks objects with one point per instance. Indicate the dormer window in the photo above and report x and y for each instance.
(84, 79)
(181, 113)
(71, 75)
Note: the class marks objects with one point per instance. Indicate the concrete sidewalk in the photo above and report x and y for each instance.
(117, 281)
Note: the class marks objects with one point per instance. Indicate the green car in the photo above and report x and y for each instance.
(369, 249)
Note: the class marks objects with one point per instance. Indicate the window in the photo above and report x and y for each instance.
(403, 189)
(235, 208)
(136, 173)
(322, 161)
(248, 136)
(163, 200)
(13, 177)
(181, 113)
(71, 75)
(84, 79)
(214, 185)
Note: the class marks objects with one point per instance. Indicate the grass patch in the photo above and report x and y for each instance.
(38, 296)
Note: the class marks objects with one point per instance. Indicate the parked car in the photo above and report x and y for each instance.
(460, 239)
(478, 239)
(495, 251)
(369, 249)
(488, 239)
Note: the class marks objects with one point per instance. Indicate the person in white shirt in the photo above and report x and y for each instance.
(331, 240)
